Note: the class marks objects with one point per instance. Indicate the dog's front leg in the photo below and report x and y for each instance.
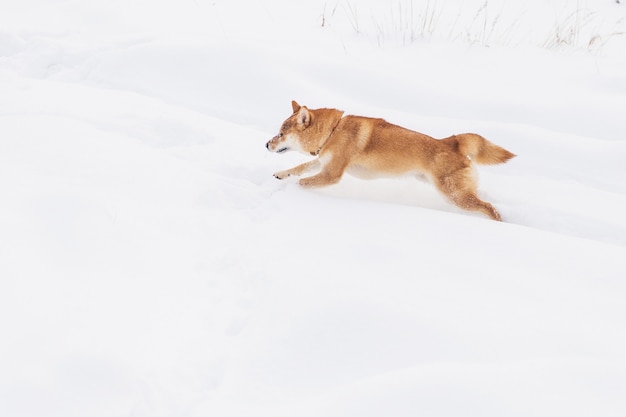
(299, 170)
(320, 180)
(331, 172)
(328, 176)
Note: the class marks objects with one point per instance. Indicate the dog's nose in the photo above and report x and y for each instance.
(267, 145)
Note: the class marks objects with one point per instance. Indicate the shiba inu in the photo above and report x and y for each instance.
(369, 148)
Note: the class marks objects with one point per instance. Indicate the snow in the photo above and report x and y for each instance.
(152, 266)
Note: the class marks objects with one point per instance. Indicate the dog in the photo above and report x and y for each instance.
(369, 148)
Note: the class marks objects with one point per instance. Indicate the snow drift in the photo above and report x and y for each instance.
(152, 266)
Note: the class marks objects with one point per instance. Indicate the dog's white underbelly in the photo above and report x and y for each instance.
(362, 172)
(365, 173)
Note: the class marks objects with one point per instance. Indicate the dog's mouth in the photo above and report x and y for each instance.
(281, 150)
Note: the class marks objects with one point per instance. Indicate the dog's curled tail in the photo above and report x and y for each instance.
(481, 151)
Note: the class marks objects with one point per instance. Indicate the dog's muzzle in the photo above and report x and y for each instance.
(273, 145)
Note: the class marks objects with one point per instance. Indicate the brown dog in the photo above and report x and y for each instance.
(369, 148)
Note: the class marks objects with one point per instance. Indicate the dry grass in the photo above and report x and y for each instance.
(409, 21)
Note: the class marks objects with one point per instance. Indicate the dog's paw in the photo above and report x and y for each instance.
(306, 183)
(281, 175)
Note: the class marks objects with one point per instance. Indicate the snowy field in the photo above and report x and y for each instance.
(150, 265)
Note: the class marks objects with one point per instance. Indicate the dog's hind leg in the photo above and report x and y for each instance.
(460, 188)
(471, 202)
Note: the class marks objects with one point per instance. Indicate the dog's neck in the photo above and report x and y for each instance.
(334, 122)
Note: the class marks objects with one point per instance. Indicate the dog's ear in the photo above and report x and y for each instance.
(295, 106)
(304, 116)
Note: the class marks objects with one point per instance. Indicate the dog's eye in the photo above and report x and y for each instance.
(280, 135)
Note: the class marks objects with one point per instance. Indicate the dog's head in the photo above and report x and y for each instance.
(292, 135)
